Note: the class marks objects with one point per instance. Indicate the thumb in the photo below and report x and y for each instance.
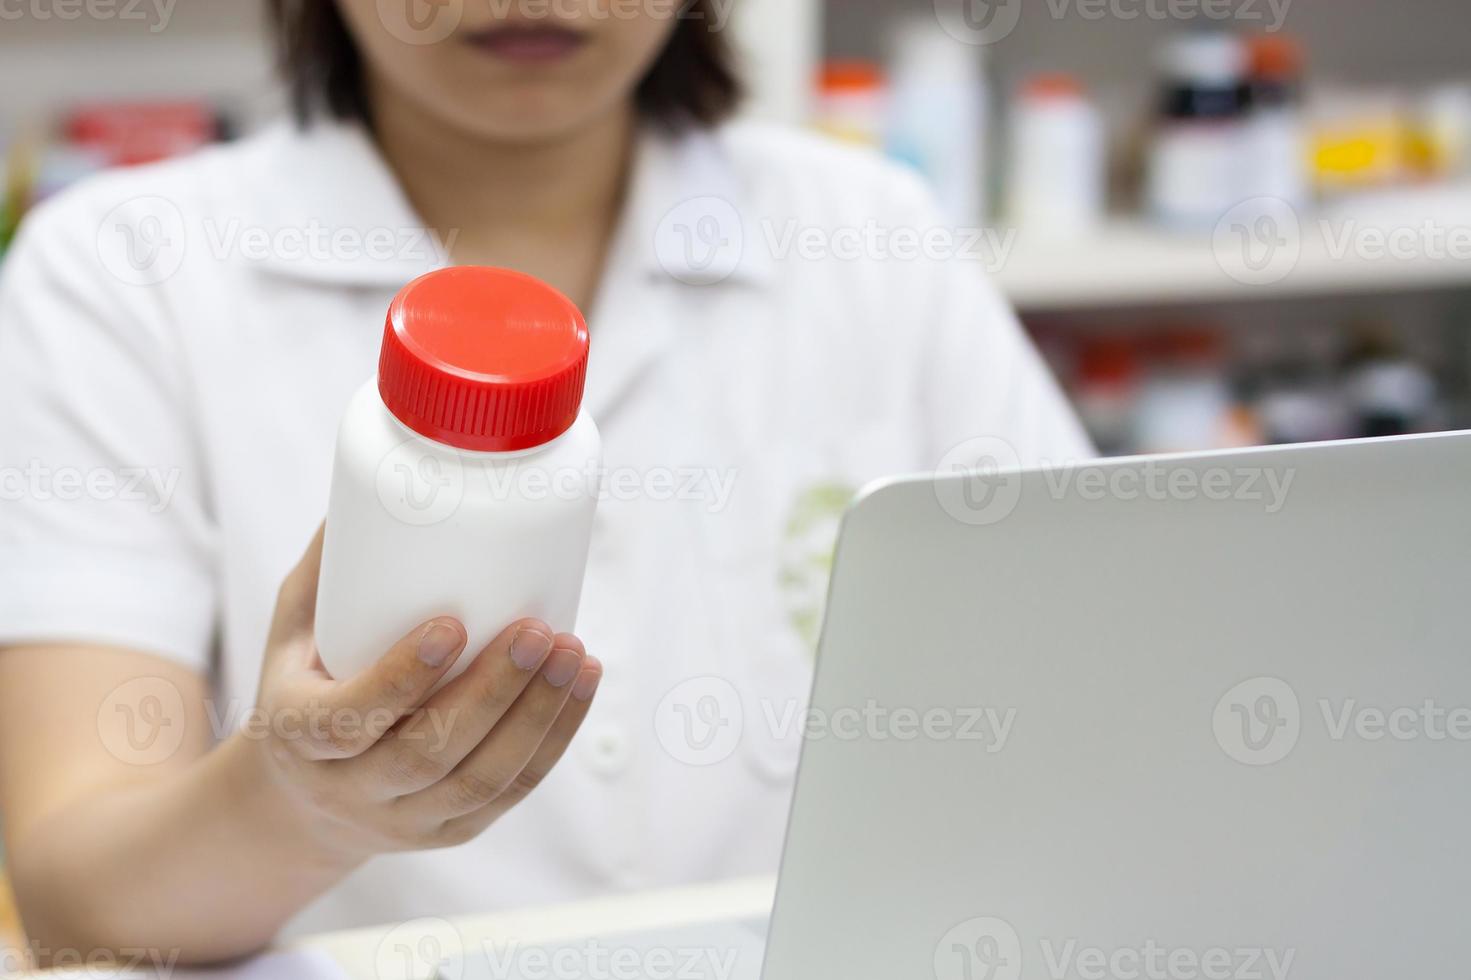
(296, 603)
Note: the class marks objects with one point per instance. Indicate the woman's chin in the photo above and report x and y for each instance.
(527, 121)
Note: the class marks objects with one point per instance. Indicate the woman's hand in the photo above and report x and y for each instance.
(108, 852)
(377, 762)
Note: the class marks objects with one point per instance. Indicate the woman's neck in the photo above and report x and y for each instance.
(548, 209)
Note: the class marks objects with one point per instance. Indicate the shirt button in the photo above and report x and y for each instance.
(608, 751)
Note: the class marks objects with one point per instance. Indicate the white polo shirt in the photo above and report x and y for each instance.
(775, 328)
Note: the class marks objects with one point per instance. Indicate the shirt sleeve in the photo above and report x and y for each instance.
(105, 536)
(986, 381)
(982, 382)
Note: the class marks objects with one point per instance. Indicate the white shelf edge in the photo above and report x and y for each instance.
(1130, 265)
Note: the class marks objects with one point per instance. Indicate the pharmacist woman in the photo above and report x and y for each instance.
(178, 342)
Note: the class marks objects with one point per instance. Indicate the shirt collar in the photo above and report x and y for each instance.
(690, 217)
(329, 193)
(328, 186)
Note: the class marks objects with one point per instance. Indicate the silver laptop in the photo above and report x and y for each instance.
(1224, 724)
(1204, 717)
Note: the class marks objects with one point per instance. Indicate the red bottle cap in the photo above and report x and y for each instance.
(483, 359)
(850, 75)
(1054, 85)
(1275, 58)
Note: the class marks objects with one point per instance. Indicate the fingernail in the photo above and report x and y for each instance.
(587, 685)
(438, 644)
(561, 667)
(529, 648)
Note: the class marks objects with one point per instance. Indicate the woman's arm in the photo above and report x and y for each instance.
(126, 833)
(110, 850)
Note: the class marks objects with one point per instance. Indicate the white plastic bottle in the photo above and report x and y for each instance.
(466, 477)
(939, 108)
(1058, 163)
(1276, 158)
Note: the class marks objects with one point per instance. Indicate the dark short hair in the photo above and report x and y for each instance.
(693, 82)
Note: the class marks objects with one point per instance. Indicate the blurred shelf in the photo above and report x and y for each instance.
(1336, 253)
(230, 68)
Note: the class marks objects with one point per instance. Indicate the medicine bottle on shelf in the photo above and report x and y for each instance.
(1200, 141)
